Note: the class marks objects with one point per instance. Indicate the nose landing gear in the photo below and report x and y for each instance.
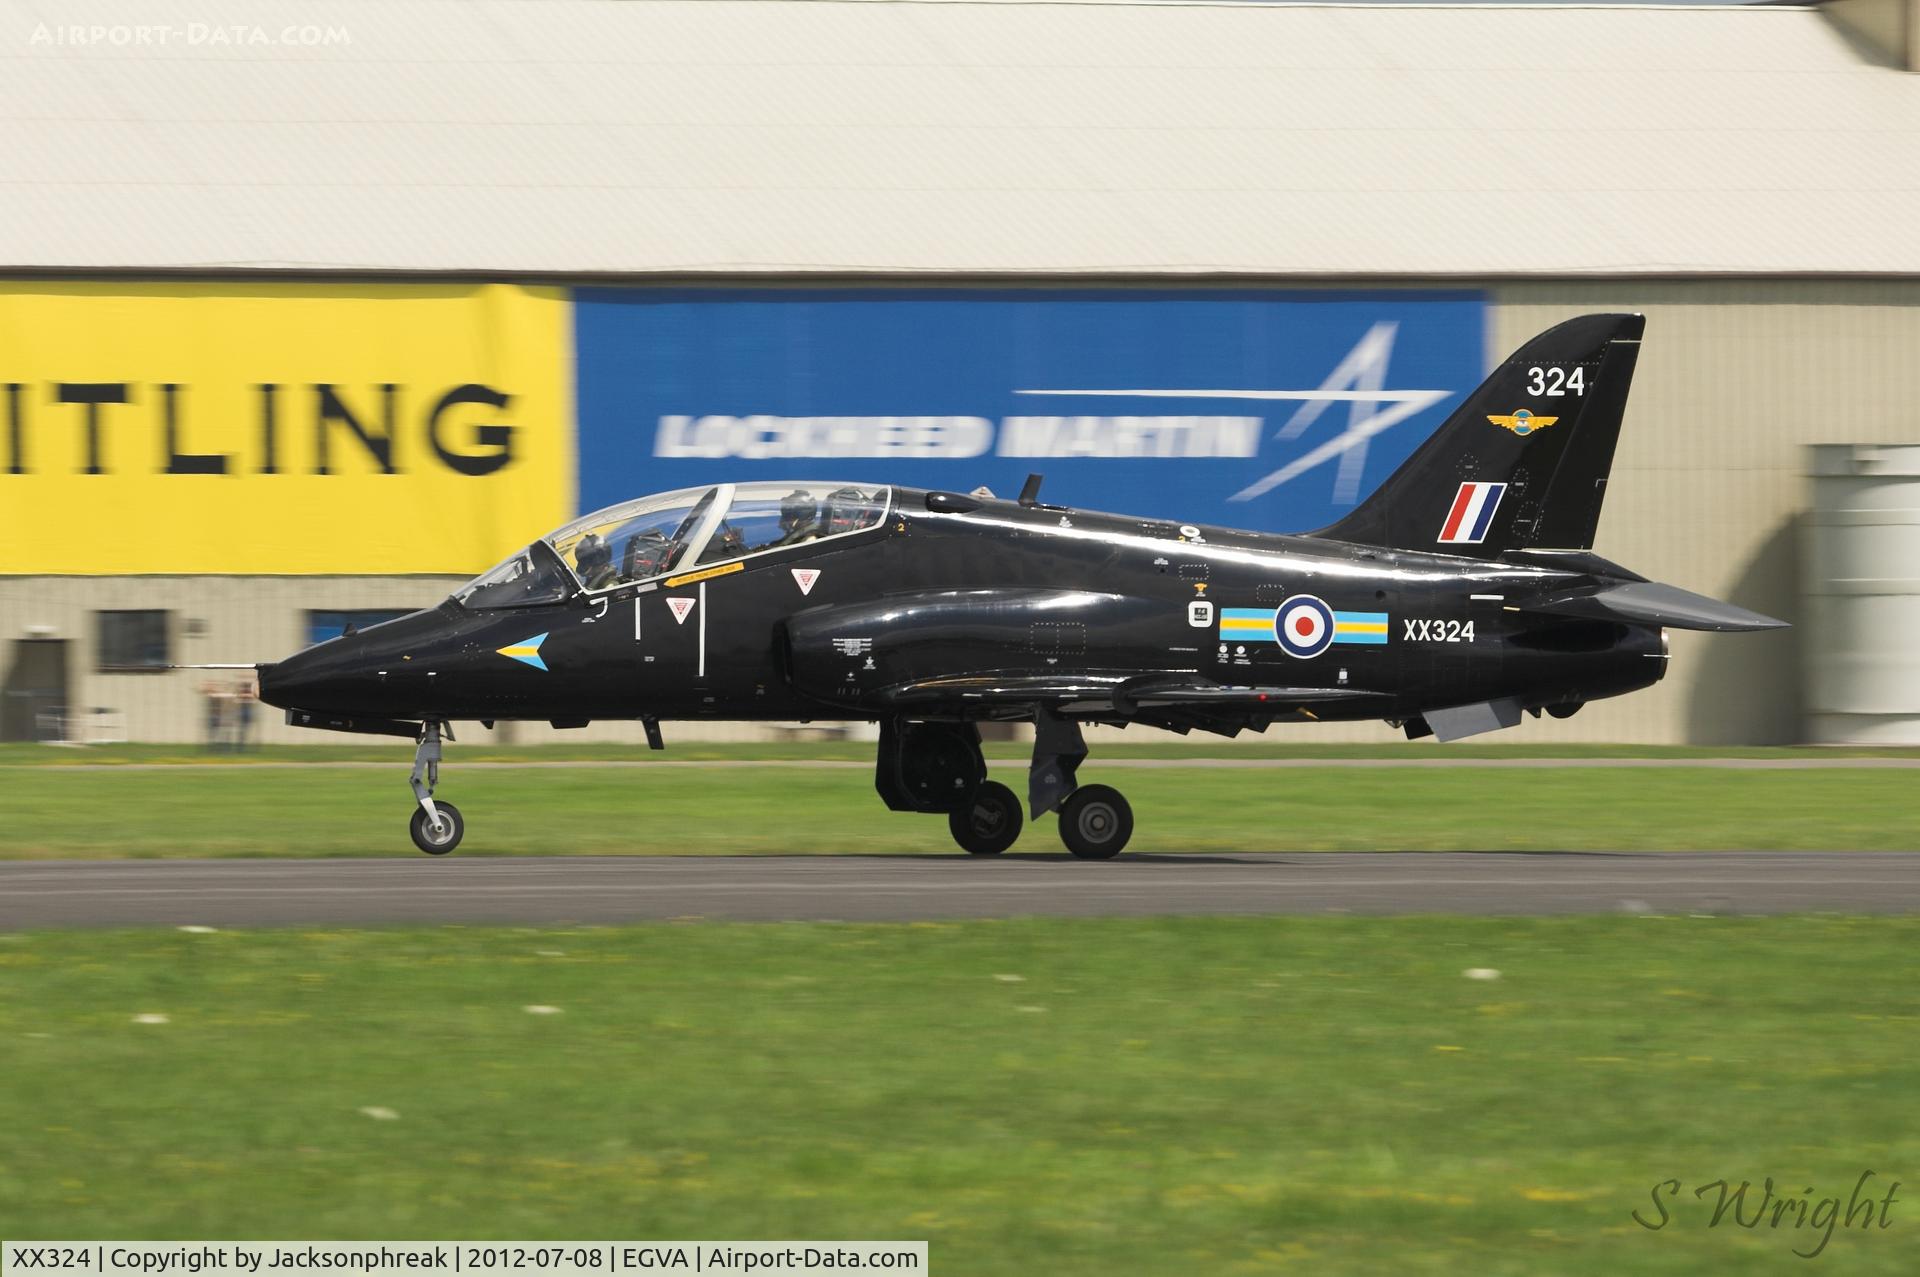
(437, 827)
(437, 839)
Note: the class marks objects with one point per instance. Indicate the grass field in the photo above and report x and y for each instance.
(1327, 1095)
(346, 811)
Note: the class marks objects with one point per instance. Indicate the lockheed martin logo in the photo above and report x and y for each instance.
(1358, 381)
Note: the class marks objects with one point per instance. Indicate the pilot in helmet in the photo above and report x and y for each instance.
(595, 560)
(646, 554)
(799, 517)
(847, 509)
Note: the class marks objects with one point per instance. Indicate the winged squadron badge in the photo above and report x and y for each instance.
(1522, 422)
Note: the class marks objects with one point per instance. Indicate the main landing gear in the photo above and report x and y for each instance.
(437, 827)
(1095, 821)
(938, 767)
(990, 823)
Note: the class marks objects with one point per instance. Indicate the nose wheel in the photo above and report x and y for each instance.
(437, 827)
(437, 839)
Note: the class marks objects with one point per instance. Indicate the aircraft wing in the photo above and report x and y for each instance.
(1127, 695)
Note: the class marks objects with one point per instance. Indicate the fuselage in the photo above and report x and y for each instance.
(945, 586)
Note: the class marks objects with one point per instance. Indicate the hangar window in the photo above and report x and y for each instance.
(130, 642)
(322, 626)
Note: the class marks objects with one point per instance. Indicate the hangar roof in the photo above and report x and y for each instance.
(756, 136)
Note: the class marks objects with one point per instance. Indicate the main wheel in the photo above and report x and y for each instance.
(990, 825)
(437, 840)
(1095, 822)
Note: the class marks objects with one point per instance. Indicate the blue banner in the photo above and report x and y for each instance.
(1257, 409)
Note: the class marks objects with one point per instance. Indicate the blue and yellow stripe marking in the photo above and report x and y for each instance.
(1255, 625)
(1249, 623)
(1360, 627)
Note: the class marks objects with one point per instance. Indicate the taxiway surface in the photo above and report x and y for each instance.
(558, 890)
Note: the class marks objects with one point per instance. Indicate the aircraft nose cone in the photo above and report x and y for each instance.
(289, 684)
(265, 677)
(381, 670)
(306, 680)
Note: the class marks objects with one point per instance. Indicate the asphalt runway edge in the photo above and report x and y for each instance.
(867, 888)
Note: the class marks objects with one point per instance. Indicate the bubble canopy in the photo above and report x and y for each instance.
(675, 532)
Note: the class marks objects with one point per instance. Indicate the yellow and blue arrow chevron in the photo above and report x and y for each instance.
(526, 651)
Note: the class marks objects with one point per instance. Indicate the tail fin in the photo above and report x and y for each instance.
(1523, 462)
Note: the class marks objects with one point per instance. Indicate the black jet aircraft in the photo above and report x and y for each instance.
(1461, 595)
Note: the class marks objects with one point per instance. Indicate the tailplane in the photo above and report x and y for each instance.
(1521, 464)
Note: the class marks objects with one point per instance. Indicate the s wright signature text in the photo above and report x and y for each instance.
(1867, 1208)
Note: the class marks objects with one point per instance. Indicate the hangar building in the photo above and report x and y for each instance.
(310, 311)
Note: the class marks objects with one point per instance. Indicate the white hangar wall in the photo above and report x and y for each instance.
(753, 138)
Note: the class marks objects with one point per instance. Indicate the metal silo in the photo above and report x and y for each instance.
(1863, 595)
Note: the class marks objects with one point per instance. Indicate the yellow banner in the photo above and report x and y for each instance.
(280, 428)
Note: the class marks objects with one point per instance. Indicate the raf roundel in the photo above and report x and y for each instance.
(1304, 626)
